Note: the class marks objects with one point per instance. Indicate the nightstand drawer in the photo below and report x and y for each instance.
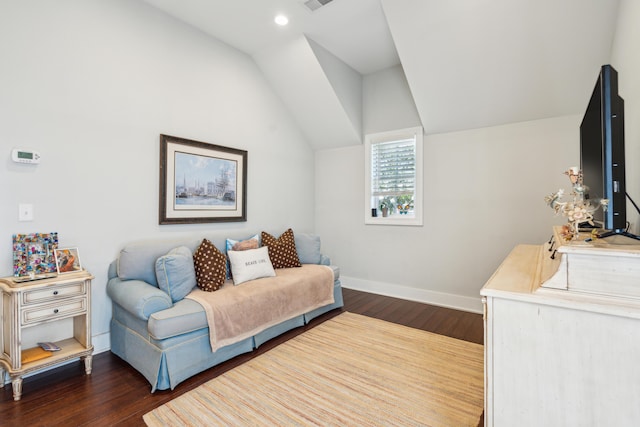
(52, 293)
(54, 311)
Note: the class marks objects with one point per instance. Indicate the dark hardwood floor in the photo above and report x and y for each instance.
(116, 394)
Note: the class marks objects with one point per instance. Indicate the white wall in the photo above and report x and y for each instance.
(626, 61)
(387, 102)
(484, 194)
(317, 90)
(345, 81)
(91, 84)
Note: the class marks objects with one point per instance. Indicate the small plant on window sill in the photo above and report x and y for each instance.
(387, 206)
(577, 210)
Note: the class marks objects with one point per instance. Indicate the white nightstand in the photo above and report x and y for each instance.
(27, 306)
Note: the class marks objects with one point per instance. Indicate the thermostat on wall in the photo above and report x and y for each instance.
(25, 156)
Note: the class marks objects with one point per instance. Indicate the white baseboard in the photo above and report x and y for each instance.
(101, 343)
(441, 299)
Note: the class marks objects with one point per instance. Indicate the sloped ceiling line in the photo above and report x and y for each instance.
(479, 63)
(468, 63)
(297, 76)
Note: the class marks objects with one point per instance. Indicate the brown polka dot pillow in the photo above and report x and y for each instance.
(282, 251)
(210, 265)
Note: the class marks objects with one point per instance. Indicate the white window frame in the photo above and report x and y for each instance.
(396, 219)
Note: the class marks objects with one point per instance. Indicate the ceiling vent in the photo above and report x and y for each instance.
(316, 4)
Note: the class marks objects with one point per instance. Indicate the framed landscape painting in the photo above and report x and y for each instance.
(201, 182)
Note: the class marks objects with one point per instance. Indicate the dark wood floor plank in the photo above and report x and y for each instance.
(116, 394)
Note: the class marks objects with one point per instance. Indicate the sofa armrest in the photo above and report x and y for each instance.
(137, 297)
(325, 260)
(113, 270)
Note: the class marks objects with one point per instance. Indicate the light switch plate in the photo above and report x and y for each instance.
(25, 212)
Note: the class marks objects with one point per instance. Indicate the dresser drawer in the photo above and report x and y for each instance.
(53, 293)
(54, 311)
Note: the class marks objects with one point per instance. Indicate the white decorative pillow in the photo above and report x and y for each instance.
(250, 264)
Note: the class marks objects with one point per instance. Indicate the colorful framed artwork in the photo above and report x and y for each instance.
(201, 182)
(67, 260)
(33, 254)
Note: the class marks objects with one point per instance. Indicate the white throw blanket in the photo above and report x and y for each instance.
(238, 312)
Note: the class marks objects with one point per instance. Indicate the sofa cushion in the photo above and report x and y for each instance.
(252, 242)
(250, 264)
(210, 266)
(282, 250)
(137, 260)
(175, 273)
(308, 248)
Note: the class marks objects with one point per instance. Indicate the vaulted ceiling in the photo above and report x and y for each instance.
(468, 63)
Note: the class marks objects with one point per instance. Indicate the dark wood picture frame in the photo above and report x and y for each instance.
(201, 182)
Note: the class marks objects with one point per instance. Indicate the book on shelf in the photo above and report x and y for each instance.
(33, 354)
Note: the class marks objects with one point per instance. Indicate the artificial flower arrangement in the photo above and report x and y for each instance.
(577, 210)
(405, 204)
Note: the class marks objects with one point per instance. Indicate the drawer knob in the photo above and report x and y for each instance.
(55, 292)
(55, 311)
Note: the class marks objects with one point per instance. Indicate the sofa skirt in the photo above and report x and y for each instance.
(166, 368)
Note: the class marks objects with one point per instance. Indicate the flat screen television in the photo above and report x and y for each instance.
(602, 152)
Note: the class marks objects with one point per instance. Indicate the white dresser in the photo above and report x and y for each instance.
(55, 309)
(562, 335)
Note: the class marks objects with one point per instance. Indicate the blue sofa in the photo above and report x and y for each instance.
(168, 342)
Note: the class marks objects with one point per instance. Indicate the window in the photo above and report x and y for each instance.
(393, 181)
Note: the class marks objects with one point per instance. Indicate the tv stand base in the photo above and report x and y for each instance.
(617, 233)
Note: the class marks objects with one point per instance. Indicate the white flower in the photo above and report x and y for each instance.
(577, 212)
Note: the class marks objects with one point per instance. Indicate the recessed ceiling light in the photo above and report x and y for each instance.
(281, 20)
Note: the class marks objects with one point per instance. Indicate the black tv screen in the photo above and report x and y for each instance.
(602, 151)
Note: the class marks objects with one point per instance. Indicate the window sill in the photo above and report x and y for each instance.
(393, 220)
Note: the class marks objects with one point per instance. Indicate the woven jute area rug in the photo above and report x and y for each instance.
(351, 370)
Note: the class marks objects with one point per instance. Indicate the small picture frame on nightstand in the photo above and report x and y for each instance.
(67, 260)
